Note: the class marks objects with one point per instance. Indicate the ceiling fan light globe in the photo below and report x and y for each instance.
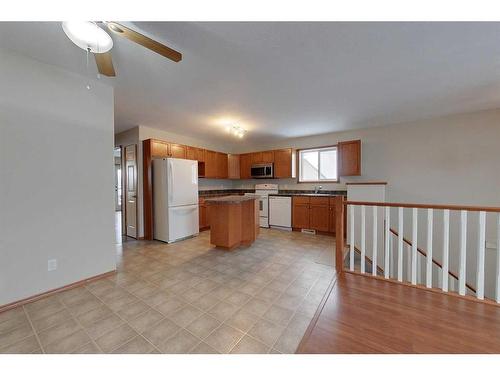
(88, 36)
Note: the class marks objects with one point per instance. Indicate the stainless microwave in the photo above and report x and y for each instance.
(262, 170)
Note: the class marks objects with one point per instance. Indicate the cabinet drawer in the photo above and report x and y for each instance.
(319, 201)
(300, 200)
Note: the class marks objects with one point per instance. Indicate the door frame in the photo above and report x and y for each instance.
(125, 189)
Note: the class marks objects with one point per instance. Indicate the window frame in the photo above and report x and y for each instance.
(319, 149)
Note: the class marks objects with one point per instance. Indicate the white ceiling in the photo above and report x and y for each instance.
(283, 80)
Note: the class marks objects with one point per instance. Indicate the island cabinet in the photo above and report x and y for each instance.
(234, 221)
(317, 213)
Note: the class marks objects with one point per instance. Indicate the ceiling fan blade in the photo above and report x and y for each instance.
(144, 41)
(105, 64)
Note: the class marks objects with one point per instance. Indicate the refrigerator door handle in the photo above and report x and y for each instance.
(170, 182)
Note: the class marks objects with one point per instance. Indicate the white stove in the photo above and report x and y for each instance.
(263, 191)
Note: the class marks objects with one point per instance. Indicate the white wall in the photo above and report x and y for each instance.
(56, 178)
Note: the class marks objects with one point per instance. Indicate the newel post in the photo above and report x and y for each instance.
(339, 233)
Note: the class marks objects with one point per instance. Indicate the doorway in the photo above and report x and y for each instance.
(117, 156)
(131, 191)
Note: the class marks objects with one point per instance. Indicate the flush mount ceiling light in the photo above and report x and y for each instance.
(88, 36)
(236, 130)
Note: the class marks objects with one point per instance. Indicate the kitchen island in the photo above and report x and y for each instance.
(234, 220)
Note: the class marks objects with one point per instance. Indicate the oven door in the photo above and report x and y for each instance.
(263, 206)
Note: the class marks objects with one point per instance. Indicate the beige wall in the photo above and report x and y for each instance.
(56, 173)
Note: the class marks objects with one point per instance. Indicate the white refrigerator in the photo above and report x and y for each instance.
(175, 199)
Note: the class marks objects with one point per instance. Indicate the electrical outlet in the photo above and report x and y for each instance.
(52, 265)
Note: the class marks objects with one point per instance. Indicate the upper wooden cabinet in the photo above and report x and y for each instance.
(349, 158)
(283, 163)
(233, 168)
(195, 153)
(245, 166)
(210, 164)
(177, 151)
(262, 157)
(191, 153)
(221, 171)
(160, 149)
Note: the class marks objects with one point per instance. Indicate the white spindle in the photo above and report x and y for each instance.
(428, 271)
(351, 244)
(498, 261)
(375, 239)
(414, 247)
(480, 255)
(446, 248)
(400, 244)
(419, 268)
(363, 230)
(463, 252)
(391, 253)
(387, 242)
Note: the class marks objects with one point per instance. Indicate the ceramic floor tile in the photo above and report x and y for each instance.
(223, 311)
(24, 346)
(161, 331)
(203, 348)
(146, 320)
(279, 274)
(224, 338)
(115, 338)
(58, 332)
(185, 315)
(266, 332)
(138, 345)
(181, 342)
(68, 344)
(248, 345)
(203, 326)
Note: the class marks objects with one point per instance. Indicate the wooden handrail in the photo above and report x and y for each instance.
(418, 205)
(452, 274)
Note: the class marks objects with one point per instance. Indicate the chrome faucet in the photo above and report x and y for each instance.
(317, 189)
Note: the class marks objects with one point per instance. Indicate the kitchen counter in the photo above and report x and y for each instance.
(306, 193)
(230, 199)
(234, 220)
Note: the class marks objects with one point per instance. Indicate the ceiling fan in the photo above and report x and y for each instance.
(92, 38)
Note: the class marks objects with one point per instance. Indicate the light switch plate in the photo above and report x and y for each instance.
(52, 265)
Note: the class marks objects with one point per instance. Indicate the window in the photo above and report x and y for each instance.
(318, 165)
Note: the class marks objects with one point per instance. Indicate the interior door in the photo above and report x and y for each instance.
(131, 190)
(118, 187)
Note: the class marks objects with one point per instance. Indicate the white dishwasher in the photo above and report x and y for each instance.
(280, 212)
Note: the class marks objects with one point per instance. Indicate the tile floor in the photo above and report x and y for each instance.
(185, 297)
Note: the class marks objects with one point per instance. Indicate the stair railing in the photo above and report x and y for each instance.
(375, 241)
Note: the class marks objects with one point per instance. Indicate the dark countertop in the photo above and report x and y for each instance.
(282, 193)
(309, 193)
(231, 199)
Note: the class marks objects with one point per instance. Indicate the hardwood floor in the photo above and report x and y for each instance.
(363, 315)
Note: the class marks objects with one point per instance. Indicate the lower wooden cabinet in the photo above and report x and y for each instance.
(319, 214)
(203, 214)
(316, 213)
(300, 213)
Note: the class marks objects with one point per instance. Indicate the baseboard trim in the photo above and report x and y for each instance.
(39, 296)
